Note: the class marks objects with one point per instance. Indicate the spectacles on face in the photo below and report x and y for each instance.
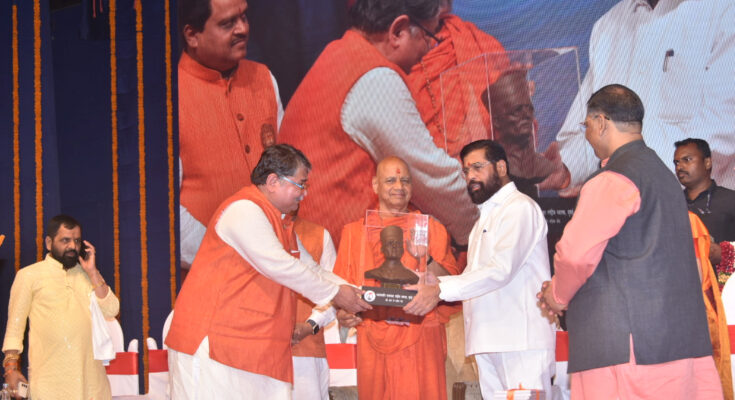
(426, 31)
(475, 167)
(301, 187)
(583, 125)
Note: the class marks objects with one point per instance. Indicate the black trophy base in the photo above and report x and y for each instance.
(387, 296)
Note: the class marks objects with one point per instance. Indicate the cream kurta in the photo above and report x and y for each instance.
(61, 361)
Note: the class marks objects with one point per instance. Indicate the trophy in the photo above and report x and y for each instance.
(398, 240)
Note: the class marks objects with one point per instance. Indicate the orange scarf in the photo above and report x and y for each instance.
(718, 330)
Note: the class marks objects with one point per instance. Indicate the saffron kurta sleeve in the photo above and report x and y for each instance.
(605, 202)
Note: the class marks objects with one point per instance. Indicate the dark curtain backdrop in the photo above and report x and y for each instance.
(97, 162)
(88, 121)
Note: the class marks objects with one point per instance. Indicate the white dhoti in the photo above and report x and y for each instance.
(198, 377)
(508, 370)
(310, 378)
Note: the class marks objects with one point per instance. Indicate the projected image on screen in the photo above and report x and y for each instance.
(517, 98)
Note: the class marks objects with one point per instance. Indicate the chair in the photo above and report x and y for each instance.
(158, 385)
(158, 388)
(123, 371)
(560, 388)
(341, 357)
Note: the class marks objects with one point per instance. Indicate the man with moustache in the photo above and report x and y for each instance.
(354, 108)
(398, 356)
(54, 295)
(229, 110)
(507, 260)
(713, 204)
(234, 318)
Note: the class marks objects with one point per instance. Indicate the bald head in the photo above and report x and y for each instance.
(621, 105)
(392, 184)
(614, 118)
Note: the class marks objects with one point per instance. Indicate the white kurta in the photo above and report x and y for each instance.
(245, 227)
(507, 261)
(311, 374)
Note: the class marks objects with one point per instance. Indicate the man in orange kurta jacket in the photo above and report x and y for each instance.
(229, 112)
(230, 336)
(395, 360)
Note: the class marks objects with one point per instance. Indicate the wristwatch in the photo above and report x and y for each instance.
(314, 326)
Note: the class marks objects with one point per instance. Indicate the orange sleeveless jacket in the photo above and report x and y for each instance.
(223, 124)
(248, 318)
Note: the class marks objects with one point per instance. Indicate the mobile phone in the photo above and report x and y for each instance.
(83, 251)
(22, 389)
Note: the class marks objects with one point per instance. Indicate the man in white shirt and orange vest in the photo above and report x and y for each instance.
(234, 317)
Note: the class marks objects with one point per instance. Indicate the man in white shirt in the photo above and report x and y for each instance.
(507, 258)
(679, 56)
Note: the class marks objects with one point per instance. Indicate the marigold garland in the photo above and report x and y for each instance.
(725, 268)
(170, 155)
(16, 143)
(142, 186)
(115, 161)
(38, 125)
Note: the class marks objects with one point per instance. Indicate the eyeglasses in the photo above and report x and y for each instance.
(476, 167)
(426, 31)
(301, 187)
(583, 125)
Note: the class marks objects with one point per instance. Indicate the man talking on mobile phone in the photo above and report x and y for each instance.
(54, 294)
